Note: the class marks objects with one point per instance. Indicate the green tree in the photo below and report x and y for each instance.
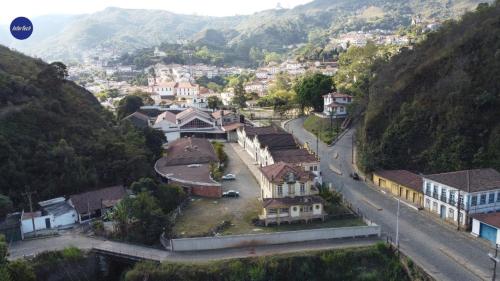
(310, 90)
(128, 105)
(150, 220)
(239, 98)
(214, 102)
(6, 206)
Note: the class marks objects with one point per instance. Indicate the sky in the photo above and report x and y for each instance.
(32, 8)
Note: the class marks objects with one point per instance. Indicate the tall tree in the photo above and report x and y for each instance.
(310, 90)
(128, 105)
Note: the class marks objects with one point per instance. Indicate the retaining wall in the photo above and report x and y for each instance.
(246, 240)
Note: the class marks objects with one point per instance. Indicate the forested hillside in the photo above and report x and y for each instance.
(125, 30)
(436, 108)
(56, 139)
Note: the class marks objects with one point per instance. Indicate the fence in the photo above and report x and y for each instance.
(238, 241)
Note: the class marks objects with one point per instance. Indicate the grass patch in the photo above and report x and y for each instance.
(328, 129)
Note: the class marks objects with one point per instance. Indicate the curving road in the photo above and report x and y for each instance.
(445, 253)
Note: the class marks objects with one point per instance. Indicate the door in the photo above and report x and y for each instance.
(47, 223)
(487, 232)
(442, 213)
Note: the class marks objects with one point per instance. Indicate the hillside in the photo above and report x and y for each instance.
(54, 136)
(128, 29)
(436, 108)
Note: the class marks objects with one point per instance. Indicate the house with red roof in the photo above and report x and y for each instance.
(335, 104)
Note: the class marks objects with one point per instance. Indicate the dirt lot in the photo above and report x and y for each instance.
(204, 214)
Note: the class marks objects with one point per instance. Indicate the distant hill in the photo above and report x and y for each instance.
(437, 108)
(125, 29)
(56, 139)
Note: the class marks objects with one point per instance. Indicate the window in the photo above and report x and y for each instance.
(461, 201)
(271, 211)
(452, 198)
(473, 200)
(427, 203)
(302, 189)
(284, 210)
(291, 189)
(428, 189)
(434, 206)
(280, 190)
(317, 207)
(295, 209)
(443, 194)
(498, 196)
(491, 198)
(310, 168)
(482, 199)
(451, 213)
(290, 177)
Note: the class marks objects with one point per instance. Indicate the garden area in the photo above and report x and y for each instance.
(327, 129)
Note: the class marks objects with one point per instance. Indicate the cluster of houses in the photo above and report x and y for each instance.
(468, 198)
(182, 122)
(61, 212)
(289, 175)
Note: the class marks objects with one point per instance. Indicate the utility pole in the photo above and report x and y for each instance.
(397, 226)
(352, 148)
(458, 214)
(495, 261)
(28, 194)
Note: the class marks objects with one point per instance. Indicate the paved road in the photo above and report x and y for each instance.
(442, 251)
(33, 247)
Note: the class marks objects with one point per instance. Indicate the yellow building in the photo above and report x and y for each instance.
(401, 183)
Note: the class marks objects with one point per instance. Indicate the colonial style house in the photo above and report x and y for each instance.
(401, 183)
(288, 194)
(455, 196)
(179, 89)
(270, 145)
(246, 135)
(187, 163)
(336, 104)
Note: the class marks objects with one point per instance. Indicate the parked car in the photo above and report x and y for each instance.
(231, 193)
(355, 176)
(229, 177)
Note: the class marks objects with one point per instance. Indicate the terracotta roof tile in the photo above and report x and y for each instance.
(278, 172)
(92, 200)
(403, 177)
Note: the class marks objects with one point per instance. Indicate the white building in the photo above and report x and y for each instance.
(62, 213)
(487, 226)
(471, 191)
(288, 194)
(336, 103)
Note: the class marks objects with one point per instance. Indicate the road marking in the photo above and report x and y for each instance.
(335, 170)
(463, 264)
(405, 203)
(373, 205)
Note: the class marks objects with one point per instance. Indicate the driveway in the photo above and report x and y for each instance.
(443, 252)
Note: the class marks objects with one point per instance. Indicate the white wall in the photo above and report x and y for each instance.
(235, 241)
(65, 219)
(27, 224)
(475, 227)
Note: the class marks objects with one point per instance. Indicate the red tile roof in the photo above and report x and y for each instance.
(492, 219)
(185, 151)
(96, 199)
(298, 155)
(402, 177)
(217, 114)
(278, 172)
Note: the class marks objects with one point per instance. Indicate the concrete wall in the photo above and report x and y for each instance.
(235, 241)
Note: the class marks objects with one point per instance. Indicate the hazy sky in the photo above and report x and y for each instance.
(31, 8)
